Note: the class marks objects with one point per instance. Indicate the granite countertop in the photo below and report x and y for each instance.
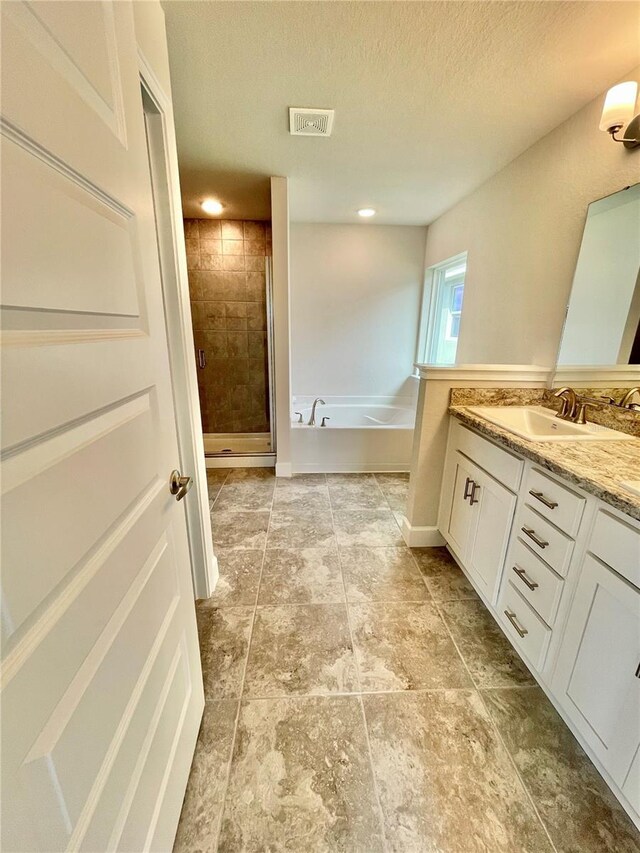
(597, 467)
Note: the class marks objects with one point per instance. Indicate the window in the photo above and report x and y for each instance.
(441, 311)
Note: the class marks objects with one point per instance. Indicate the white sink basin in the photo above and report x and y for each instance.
(632, 486)
(539, 424)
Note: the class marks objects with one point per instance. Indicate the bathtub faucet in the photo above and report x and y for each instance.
(312, 419)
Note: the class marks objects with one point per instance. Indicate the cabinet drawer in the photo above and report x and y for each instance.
(555, 502)
(525, 570)
(617, 544)
(500, 464)
(545, 540)
(527, 631)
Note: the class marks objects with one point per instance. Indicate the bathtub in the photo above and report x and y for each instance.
(376, 435)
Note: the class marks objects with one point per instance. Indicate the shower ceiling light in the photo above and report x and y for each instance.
(366, 212)
(211, 206)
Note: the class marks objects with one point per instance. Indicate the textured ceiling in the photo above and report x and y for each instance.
(431, 98)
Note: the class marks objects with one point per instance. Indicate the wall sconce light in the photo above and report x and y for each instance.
(618, 111)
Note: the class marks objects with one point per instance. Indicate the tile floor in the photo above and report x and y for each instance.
(360, 698)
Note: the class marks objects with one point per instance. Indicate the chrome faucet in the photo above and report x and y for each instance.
(626, 403)
(569, 403)
(312, 419)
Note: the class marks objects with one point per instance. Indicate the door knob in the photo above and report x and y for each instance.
(179, 485)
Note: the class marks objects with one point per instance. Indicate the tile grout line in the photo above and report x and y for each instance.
(491, 719)
(242, 681)
(359, 682)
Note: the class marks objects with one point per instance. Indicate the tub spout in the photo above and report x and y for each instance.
(312, 419)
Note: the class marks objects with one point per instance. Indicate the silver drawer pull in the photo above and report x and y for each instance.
(467, 493)
(472, 496)
(512, 618)
(530, 532)
(523, 577)
(540, 496)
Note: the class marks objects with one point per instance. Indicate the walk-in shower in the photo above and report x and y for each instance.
(229, 265)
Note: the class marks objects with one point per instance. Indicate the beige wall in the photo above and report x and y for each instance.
(226, 263)
(355, 302)
(522, 229)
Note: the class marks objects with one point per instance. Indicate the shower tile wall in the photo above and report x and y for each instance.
(226, 263)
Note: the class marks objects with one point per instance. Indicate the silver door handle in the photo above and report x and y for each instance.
(202, 359)
(540, 496)
(523, 577)
(528, 531)
(179, 485)
(512, 618)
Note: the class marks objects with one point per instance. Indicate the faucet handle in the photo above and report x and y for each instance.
(299, 414)
(326, 418)
(580, 417)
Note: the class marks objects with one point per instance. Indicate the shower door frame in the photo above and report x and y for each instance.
(257, 458)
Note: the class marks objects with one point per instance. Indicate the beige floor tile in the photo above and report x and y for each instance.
(395, 488)
(301, 576)
(355, 491)
(300, 780)
(300, 650)
(215, 479)
(224, 642)
(204, 797)
(243, 530)
(580, 812)
(294, 528)
(490, 657)
(381, 574)
(445, 579)
(239, 575)
(445, 781)
(404, 646)
(371, 528)
(246, 495)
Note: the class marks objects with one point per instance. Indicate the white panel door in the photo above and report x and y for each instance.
(101, 682)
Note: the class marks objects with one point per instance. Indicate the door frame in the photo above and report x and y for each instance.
(163, 162)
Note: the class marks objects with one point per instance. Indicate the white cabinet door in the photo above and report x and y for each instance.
(597, 677)
(461, 517)
(494, 507)
(101, 685)
(479, 523)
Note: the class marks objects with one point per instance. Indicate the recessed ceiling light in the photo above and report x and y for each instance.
(366, 212)
(210, 205)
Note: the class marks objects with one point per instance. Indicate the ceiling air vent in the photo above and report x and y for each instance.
(306, 122)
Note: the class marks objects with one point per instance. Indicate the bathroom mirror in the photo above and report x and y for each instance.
(602, 321)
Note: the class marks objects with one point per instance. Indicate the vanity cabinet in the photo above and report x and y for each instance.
(478, 520)
(597, 676)
(560, 572)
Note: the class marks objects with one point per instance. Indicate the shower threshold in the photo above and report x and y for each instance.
(238, 450)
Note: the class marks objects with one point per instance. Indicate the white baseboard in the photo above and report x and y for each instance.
(350, 468)
(283, 469)
(421, 537)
